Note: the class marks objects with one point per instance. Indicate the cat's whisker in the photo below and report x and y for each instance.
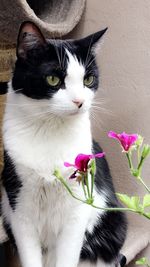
(90, 62)
(23, 105)
(100, 104)
(103, 110)
(89, 49)
(35, 115)
(13, 91)
(61, 53)
(96, 121)
(98, 98)
(57, 51)
(99, 101)
(16, 104)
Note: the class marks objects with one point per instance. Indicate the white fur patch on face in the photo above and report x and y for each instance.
(63, 102)
(74, 79)
(75, 70)
(74, 92)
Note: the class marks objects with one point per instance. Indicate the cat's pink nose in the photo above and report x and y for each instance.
(78, 103)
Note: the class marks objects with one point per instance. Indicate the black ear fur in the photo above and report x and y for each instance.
(91, 40)
(29, 36)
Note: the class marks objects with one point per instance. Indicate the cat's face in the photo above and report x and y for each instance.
(59, 76)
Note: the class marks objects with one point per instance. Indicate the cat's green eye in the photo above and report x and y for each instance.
(53, 80)
(88, 81)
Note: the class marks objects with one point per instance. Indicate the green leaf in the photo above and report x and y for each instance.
(146, 201)
(125, 199)
(132, 203)
(141, 261)
(135, 202)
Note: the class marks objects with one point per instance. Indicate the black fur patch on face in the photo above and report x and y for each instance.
(38, 58)
(10, 180)
(30, 73)
(86, 57)
(109, 233)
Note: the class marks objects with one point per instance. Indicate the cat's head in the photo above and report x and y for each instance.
(60, 75)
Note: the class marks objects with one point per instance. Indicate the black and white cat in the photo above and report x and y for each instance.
(46, 123)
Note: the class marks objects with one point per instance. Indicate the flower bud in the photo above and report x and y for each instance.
(139, 141)
(146, 151)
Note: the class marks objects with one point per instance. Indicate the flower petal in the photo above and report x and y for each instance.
(126, 140)
(112, 134)
(81, 162)
(98, 155)
(67, 164)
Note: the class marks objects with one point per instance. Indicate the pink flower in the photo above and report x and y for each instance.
(126, 140)
(82, 160)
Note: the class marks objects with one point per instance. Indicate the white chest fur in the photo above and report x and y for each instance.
(43, 145)
(37, 147)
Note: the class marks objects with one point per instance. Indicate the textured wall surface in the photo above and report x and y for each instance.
(124, 61)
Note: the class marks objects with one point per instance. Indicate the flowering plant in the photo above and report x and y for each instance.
(85, 169)
(126, 140)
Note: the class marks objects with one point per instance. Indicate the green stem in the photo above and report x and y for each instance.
(60, 178)
(139, 170)
(112, 209)
(129, 160)
(83, 186)
(143, 215)
(87, 185)
(92, 183)
(143, 183)
(86, 202)
(140, 164)
(139, 154)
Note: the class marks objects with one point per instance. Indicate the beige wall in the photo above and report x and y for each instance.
(125, 80)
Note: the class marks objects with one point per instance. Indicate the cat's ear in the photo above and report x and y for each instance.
(29, 37)
(92, 41)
